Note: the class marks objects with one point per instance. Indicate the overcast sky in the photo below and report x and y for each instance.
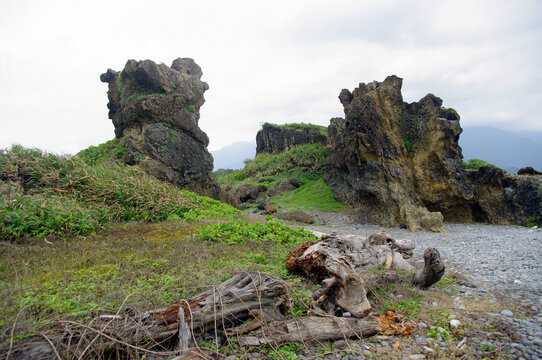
(265, 61)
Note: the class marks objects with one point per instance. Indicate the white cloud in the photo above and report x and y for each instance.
(279, 61)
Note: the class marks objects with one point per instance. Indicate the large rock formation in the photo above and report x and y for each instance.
(155, 108)
(274, 139)
(504, 198)
(398, 163)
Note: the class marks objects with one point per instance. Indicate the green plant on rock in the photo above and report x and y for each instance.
(172, 135)
(533, 221)
(192, 109)
(410, 129)
(475, 164)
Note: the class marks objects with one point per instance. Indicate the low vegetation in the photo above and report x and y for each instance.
(50, 194)
(312, 195)
(305, 163)
(303, 126)
(136, 266)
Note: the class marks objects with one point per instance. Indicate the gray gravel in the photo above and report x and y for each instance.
(500, 261)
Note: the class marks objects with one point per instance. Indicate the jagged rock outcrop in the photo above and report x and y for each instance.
(504, 198)
(398, 163)
(274, 139)
(528, 170)
(155, 109)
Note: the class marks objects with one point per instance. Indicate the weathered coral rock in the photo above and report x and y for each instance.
(155, 108)
(504, 198)
(398, 163)
(274, 139)
(284, 186)
(249, 192)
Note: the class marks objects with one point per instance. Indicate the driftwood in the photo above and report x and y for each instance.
(321, 328)
(312, 328)
(227, 305)
(340, 263)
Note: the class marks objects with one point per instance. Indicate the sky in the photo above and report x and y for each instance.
(265, 61)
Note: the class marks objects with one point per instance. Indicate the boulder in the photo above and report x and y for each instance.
(284, 186)
(504, 198)
(298, 216)
(274, 139)
(155, 109)
(398, 163)
(249, 192)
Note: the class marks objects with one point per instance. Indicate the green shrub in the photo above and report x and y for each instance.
(474, 164)
(533, 221)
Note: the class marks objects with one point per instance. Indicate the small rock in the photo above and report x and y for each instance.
(458, 303)
(423, 325)
(454, 324)
(461, 343)
(416, 357)
(427, 349)
(347, 314)
(434, 303)
(421, 340)
(507, 313)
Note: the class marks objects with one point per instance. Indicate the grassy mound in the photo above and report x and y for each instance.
(45, 193)
(305, 163)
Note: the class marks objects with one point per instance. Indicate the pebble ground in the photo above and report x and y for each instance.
(502, 262)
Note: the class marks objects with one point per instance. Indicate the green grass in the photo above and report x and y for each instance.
(110, 150)
(312, 195)
(304, 162)
(138, 265)
(50, 194)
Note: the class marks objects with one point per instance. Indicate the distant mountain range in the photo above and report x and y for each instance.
(232, 156)
(508, 150)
